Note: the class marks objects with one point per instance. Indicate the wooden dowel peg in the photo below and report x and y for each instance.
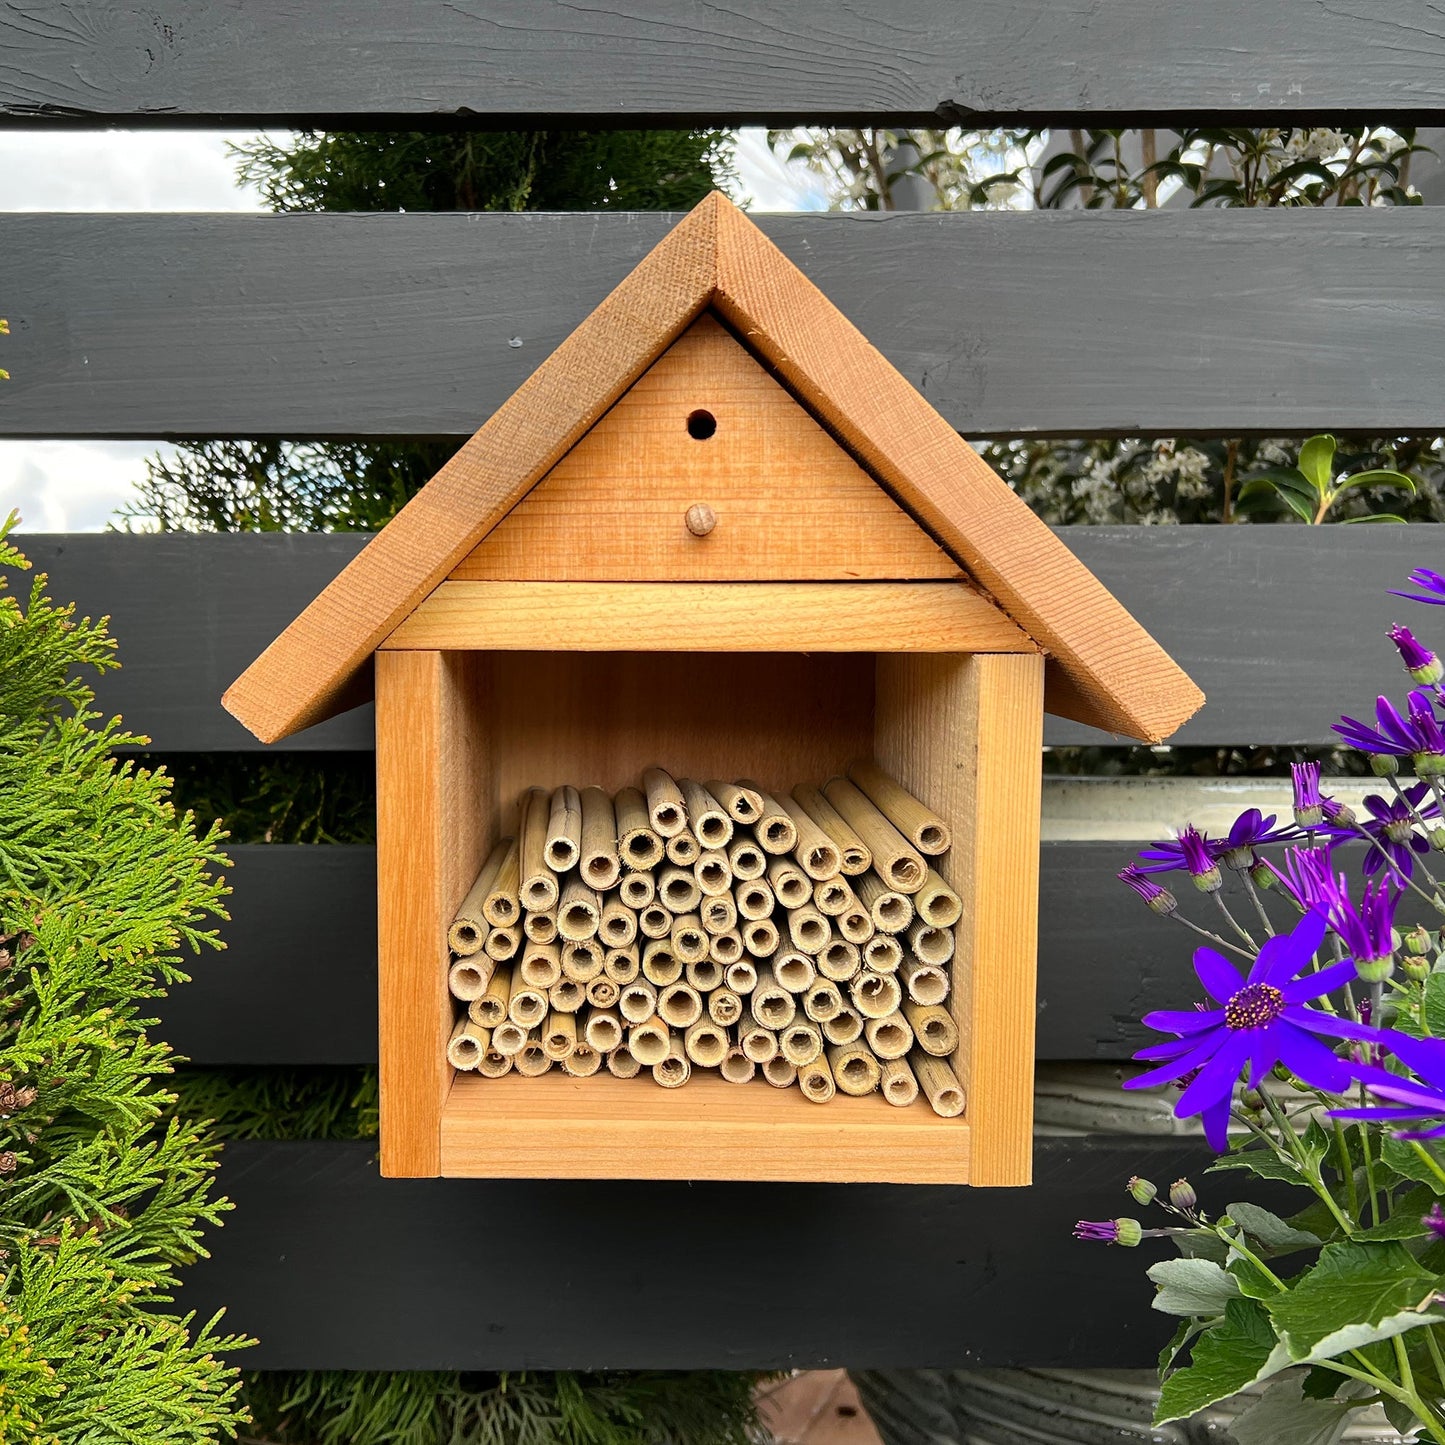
(707, 817)
(855, 1070)
(541, 965)
(724, 1007)
(491, 1009)
(622, 1064)
(899, 1086)
(682, 849)
(467, 978)
(538, 883)
(775, 830)
(933, 1027)
(876, 995)
(706, 1044)
(679, 1005)
(845, 1025)
(637, 890)
(890, 910)
(564, 830)
(567, 995)
(815, 852)
(889, 1037)
(582, 1062)
(780, 1073)
(637, 842)
(579, 913)
(746, 860)
(815, 1079)
(743, 804)
(600, 864)
(502, 907)
(789, 883)
(919, 824)
(939, 1084)
(822, 1000)
(660, 965)
(801, 1042)
(853, 852)
(467, 1044)
(665, 806)
(559, 1035)
(758, 1043)
(673, 1071)
(895, 859)
(937, 903)
(649, 1041)
(469, 925)
(638, 1001)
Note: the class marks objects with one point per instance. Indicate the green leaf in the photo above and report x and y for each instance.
(1297, 505)
(1373, 517)
(1320, 1383)
(1201, 1244)
(1251, 1279)
(1270, 1230)
(1402, 1158)
(1316, 461)
(1380, 476)
(1262, 1162)
(1316, 1218)
(1406, 1217)
(1226, 1358)
(1285, 1415)
(1184, 1332)
(1355, 1294)
(1192, 1287)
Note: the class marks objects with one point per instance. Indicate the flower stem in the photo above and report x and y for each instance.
(1347, 1172)
(1258, 903)
(1234, 923)
(1431, 1163)
(1211, 935)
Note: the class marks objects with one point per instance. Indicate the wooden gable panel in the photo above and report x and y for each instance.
(790, 503)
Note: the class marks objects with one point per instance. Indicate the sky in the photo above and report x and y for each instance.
(63, 486)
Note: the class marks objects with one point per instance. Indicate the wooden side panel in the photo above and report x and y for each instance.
(789, 502)
(965, 733)
(434, 816)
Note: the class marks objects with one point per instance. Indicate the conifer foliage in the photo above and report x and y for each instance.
(104, 1192)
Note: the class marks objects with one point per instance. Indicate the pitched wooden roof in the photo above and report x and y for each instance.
(1103, 668)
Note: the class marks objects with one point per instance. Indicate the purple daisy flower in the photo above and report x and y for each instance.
(1110, 1231)
(1367, 932)
(1429, 756)
(1392, 828)
(1309, 878)
(1392, 736)
(1191, 850)
(1406, 1100)
(1261, 1020)
(1160, 899)
(1434, 1221)
(1249, 831)
(1422, 664)
(1430, 583)
(1309, 803)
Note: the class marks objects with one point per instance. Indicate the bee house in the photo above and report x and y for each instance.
(715, 543)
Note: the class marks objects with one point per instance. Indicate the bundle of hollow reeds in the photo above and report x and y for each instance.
(682, 925)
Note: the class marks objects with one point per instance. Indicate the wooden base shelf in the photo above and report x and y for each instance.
(556, 1127)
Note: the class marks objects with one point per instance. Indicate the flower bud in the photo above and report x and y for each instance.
(1384, 765)
(1417, 940)
(1130, 1232)
(1436, 835)
(1428, 765)
(1262, 875)
(1251, 1100)
(1340, 814)
(1417, 970)
(1142, 1190)
(1209, 880)
(1375, 970)
(1182, 1196)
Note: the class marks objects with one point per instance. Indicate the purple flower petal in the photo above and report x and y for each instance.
(1304, 1056)
(1219, 976)
(1176, 1068)
(1314, 985)
(1287, 954)
(1184, 1021)
(1217, 1078)
(1215, 1118)
(1425, 1057)
(1322, 1023)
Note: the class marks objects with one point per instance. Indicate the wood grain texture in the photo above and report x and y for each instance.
(710, 617)
(368, 63)
(375, 326)
(964, 733)
(434, 824)
(556, 1127)
(790, 503)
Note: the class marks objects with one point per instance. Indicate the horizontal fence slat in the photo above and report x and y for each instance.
(1043, 324)
(1282, 626)
(374, 62)
(317, 1239)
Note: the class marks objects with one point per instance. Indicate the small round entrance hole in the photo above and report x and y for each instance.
(701, 425)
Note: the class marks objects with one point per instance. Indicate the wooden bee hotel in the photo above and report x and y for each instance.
(710, 678)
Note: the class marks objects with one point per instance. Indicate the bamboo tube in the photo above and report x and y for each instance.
(527, 1006)
(925, 983)
(540, 927)
(845, 1026)
(758, 1043)
(760, 937)
(741, 977)
(637, 890)
(637, 1002)
(508, 1038)
(746, 859)
(467, 978)
(719, 915)
(933, 1027)
(541, 965)
(502, 943)
(706, 1044)
(582, 1062)
(775, 830)
(600, 866)
(939, 1084)
(780, 1073)
(882, 953)
(665, 805)
(559, 1035)
(724, 1007)
(649, 1041)
(582, 959)
(754, 899)
(602, 993)
(725, 948)
(790, 887)
(900, 1088)
(622, 1064)
(713, 873)
(532, 1061)
(538, 882)
(469, 925)
(815, 1079)
(491, 1008)
(689, 938)
(853, 852)
(467, 1044)
(937, 903)
(891, 910)
(743, 804)
(564, 830)
(822, 1000)
(808, 929)
(501, 907)
(875, 995)
(832, 895)
(839, 960)
(889, 1037)
(679, 1005)
(580, 911)
(737, 1067)
(673, 1071)
(660, 965)
(705, 974)
(855, 923)
(895, 860)
(770, 1003)
(567, 995)
(622, 965)
(618, 925)
(677, 890)
(794, 970)
(855, 1070)
(639, 846)
(494, 1064)
(603, 1029)
(682, 849)
(815, 852)
(801, 1042)
(919, 824)
(929, 944)
(654, 921)
(707, 817)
